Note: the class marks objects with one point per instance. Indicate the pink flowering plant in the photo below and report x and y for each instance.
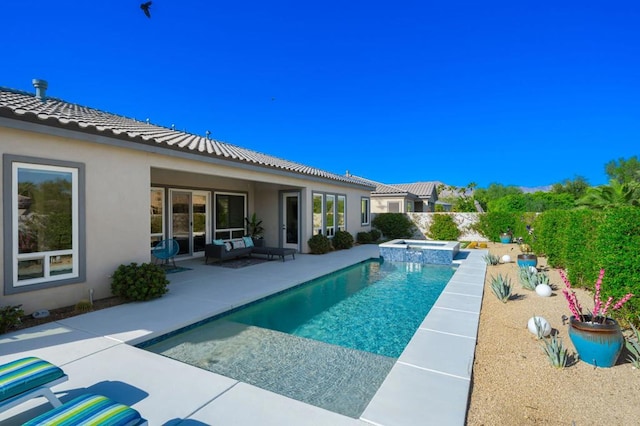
(600, 309)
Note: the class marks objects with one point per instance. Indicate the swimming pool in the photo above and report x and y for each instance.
(330, 342)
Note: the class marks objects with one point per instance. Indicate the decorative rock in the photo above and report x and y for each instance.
(506, 258)
(543, 290)
(544, 325)
(533, 269)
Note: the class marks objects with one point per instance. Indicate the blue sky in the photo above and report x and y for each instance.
(518, 93)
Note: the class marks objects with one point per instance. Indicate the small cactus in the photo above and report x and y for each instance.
(501, 287)
(556, 352)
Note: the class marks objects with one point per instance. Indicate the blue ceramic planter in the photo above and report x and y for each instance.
(505, 238)
(526, 260)
(596, 344)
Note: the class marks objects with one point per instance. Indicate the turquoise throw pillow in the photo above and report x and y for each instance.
(248, 241)
(218, 242)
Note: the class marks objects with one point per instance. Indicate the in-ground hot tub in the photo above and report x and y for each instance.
(420, 251)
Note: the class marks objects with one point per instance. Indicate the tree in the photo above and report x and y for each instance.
(494, 192)
(613, 195)
(624, 171)
(576, 187)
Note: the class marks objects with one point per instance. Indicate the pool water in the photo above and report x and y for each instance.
(330, 342)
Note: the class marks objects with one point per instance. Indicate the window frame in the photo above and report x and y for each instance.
(232, 232)
(365, 211)
(11, 165)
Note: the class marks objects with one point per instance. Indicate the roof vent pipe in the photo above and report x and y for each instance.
(41, 88)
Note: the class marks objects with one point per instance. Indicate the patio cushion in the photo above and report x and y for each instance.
(248, 241)
(218, 242)
(89, 410)
(228, 246)
(237, 244)
(25, 374)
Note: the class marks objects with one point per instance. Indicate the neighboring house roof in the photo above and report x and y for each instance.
(420, 189)
(382, 189)
(24, 106)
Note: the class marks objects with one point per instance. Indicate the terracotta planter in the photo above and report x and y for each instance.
(596, 344)
(527, 259)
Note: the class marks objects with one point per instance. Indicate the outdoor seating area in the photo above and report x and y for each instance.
(241, 247)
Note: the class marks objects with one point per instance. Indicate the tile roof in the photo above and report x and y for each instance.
(382, 188)
(24, 106)
(421, 189)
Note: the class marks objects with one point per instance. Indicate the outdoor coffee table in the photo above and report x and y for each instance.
(281, 252)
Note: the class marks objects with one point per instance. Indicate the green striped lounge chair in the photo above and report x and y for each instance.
(89, 410)
(28, 378)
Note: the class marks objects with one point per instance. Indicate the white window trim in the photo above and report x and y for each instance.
(366, 213)
(11, 164)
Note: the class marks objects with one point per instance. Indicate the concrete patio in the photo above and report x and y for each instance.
(430, 381)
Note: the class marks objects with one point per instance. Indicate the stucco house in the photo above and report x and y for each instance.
(401, 198)
(85, 191)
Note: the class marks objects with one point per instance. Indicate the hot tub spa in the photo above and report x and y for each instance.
(420, 251)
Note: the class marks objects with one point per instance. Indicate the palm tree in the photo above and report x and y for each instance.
(612, 195)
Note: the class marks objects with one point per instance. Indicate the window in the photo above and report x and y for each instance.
(45, 240)
(393, 207)
(364, 211)
(341, 212)
(157, 215)
(317, 214)
(409, 207)
(328, 214)
(231, 209)
(330, 227)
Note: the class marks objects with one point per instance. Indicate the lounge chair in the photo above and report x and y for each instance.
(28, 378)
(90, 410)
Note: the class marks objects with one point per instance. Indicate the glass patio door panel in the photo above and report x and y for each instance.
(290, 228)
(181, 220)
(199, 238)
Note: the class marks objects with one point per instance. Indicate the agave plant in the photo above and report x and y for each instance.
(542, 278)
(556, 352)
(501, 287)
(491, 259)
(528, 278)
(633, 346)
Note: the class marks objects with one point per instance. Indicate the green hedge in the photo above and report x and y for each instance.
(443, 228)
(393, 225)
(584, 241)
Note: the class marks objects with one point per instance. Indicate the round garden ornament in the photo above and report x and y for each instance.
(543, 290)
(506, 258)
(535, 322)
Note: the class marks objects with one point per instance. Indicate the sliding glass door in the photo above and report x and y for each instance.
(189, 224)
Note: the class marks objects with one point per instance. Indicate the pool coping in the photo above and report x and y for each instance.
(432, 378)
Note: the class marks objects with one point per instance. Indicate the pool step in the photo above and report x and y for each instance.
(332, 377)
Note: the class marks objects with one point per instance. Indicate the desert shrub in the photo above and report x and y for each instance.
(375, 235)
(10, 317)
(342, 240)
(139, 282)
(364, 238)
(443, 228)
(319, 244)
(393, 225)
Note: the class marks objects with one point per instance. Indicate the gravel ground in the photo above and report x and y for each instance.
(514, 383)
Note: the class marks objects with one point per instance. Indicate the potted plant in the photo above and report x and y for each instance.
(596, 337)
(254, 229)
(526, 258)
